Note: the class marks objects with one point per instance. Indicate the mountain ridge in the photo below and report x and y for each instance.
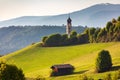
(80, 17)
(16, 37)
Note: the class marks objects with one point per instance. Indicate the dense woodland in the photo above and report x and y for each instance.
(111, 32)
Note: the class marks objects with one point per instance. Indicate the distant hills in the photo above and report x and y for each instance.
(94, 16)
(17, 37)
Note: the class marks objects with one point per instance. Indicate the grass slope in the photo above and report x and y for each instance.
(36, 60)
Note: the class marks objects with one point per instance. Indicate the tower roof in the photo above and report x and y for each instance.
(69, 20)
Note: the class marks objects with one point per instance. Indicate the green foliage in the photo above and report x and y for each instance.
(53, 40)
(72, 40)
(118, 18)
(60, 40)
(10, 72)
(91, 31)
(86, 31)
(114, 20)
(91, 35)
(101, 35)
(64, 39)
(44, 38)
(107, 34)
(103, 61)
(108, 25)
(83, 38)
(73, 34)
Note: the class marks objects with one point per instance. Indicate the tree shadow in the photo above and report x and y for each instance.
(80, 72)
(114, 68)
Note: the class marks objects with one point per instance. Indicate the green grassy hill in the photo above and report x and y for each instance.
(37, 61)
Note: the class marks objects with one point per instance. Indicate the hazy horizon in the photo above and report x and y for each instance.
(16, 8)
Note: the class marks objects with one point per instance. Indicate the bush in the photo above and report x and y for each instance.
(10, 72)
(73, 40)
(64, 39)
(83, 38)
(103, 61)
(73, 34)
(53, 40)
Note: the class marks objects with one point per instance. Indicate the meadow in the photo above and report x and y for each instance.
(36, 61)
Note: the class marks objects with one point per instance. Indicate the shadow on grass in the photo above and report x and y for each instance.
(114, 68)
(80, 72)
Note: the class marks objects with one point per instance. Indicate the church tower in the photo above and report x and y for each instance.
(69, 26)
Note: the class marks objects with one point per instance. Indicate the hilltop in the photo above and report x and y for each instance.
(93, 16)
(35, 60)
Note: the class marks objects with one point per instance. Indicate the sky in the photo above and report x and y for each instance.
(16, 8)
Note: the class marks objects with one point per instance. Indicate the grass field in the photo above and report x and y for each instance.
(37, 61)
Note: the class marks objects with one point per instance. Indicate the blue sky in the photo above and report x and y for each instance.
(16, 8)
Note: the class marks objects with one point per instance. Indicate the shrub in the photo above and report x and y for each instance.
(64, 39)
(53, 40)
(103, 61)
(73, 40)
(83, 38)
(10, 72)
(73, 34)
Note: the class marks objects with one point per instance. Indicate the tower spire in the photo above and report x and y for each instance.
(69, 25)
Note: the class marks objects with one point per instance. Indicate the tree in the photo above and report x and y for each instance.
(83, 38)
(44, 38)
(72, 41)
(64, 39)
(73, 34)
(92, 31)
(10, 72)
(101, 35)
(114, 20)
(53, 40)
(108, 25)
(118, 18)
(96, 34)
(91, 34)
(103, 61)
